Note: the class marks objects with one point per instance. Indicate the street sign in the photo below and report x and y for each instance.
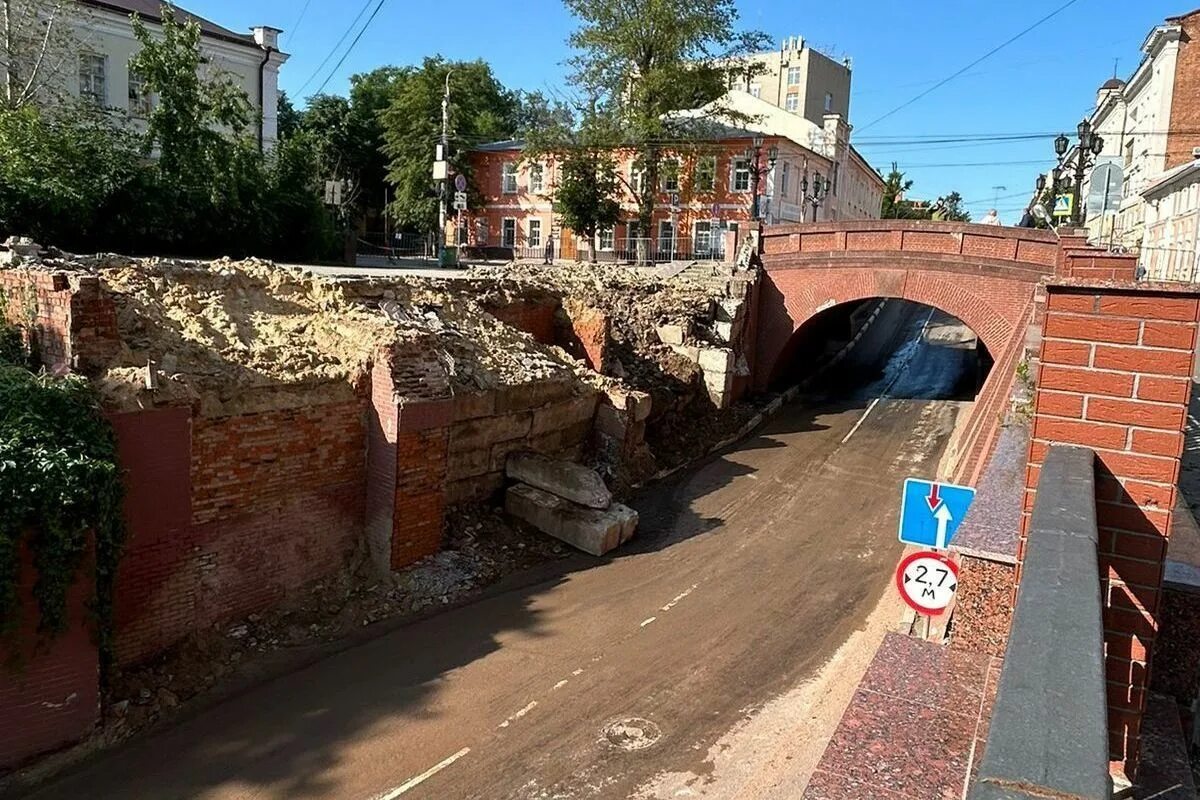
(1064, 205)
(460, 182)
(333, 193)
(927, 581)
(460, 201)
(931, 512)
(441, 169)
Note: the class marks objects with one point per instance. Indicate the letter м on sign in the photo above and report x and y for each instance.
(931, 512)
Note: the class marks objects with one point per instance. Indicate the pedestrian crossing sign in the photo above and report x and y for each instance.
(1064, 205)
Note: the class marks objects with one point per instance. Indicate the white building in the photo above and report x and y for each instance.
(798, 79)
(1148, 124)
(101, 35)
(1170, 248)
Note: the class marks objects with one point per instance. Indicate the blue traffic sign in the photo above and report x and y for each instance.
(931, 512)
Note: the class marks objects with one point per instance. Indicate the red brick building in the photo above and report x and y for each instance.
(704, 195)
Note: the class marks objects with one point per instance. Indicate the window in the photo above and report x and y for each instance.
(140, 102)
(635, 180)
(508, 233)
(792, 103)
(828, 103)
(508, 179)
(533, 237)
(666, 236)
(793, 76)
(92, 84)
(704, 240)
(670, 175)
(783, 179)
(755, 90)
(481, 232)
(741, 175)
(706, 174)
(537, 178)
(1128, 153)
(606, 239)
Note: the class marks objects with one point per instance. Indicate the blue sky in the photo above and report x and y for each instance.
(1044, 82)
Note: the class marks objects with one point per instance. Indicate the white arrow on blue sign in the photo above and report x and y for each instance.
(931, 512)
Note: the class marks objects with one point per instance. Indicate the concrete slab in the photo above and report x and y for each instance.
(590, 530)
(565, 479)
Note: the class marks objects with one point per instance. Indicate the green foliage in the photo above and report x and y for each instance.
(640, 62)
(59, 481)
(587, 191)
(194, 184)
(480, 110)
(946, 208)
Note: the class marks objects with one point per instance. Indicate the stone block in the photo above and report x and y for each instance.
(588, 529)
(612, 421)
(532, 395)
(672, 334)
(560, 416)
(636, 404)
(473, 405)
(723, 330)
(690, 353)
(573, 482)
(485, 431)
(715, 360)
(468, 463)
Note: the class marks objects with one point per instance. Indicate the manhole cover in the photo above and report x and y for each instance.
(634, 733)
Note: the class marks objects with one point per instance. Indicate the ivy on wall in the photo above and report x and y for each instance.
(59, 484)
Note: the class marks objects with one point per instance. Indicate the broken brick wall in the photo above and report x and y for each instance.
(70, 321)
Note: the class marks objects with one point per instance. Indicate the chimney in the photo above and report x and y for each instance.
(266, 36)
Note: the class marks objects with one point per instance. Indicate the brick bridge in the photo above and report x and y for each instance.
(988, 277)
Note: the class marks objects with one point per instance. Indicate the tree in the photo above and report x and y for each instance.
(642, 61)
(289, 118)
(480, 110)
(587, 191)
(894, 187)
(38, 49)
(949, 208)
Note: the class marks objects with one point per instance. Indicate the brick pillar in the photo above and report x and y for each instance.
(407, 442)
(1115, 376)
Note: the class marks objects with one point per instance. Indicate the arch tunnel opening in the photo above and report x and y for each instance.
(884, 347)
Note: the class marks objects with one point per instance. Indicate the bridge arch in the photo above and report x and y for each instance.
(985, 276)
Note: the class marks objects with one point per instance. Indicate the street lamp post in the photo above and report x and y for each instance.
(757, 172)
(1090, 146)
(820, 187)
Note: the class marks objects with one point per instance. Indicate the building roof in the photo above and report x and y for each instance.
(152, 10)
(1171, 177)
(1179, 17)
(1113, 83)
(501, 146)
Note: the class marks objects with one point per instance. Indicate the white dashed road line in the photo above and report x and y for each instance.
(646, 622)
(532, 705)
(679, 597)
(412, 783)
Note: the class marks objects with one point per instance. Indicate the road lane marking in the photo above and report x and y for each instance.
(578, 672)
(895, 378)
(532, 705)
(412, 783)
(561, 684)
(678, 597)
(646, 622)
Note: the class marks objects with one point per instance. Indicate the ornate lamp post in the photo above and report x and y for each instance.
(1089, 147)
(820, 188)
(757, 172)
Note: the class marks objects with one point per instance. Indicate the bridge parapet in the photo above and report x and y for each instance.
(1027, 248)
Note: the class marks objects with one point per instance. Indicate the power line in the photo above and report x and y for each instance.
(974, 63)
(350, 49)
(333, 49)
(291, 32)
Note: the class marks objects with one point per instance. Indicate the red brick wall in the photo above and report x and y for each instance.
(49, 689)
(1185, 100)
(536, 319)
(1115, 377)
(228, 516)
(586, 334)
(71, 321)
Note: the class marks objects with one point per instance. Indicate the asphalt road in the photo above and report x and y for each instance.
(747, 574)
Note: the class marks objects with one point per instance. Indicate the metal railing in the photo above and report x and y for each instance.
(396, 246)
(1049, 729)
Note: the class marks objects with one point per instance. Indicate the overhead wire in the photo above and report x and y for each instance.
(333, 49)
(350, 49)
(974, 63)
(290, 33)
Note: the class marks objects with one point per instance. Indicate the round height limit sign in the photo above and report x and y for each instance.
(927, 581)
